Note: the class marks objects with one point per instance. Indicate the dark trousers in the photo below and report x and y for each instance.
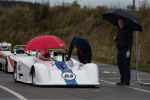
(124, 65)
(82, 59)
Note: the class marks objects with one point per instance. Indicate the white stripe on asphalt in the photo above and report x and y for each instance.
(14, 93)
(107, 72)
(127, 86)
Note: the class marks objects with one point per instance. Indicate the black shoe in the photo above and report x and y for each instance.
(120, 83)
(127, 84)
(123, 83)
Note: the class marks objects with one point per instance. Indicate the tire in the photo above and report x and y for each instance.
(34, 78)
(0, 66)
(15, 74)
(6, 66)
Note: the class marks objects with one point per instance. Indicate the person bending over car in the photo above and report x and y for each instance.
(84, 51)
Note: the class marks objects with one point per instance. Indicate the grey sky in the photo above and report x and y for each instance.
(93, 3)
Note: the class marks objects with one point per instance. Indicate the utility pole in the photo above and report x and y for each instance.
(137, 49)
(133, 5)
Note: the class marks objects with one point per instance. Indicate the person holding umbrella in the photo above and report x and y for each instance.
(124, 42)
(84, 51)
(127, 22)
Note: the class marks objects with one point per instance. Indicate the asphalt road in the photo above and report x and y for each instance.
(9, 90)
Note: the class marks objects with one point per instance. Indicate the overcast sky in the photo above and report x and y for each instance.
(93, 3)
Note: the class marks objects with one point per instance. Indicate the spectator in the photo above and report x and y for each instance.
(124, 42)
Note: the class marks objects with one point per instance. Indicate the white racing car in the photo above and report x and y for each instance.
(49, 67)
(54, 70)
(6, 63)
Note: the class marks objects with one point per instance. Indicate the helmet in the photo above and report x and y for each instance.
(4, 46)
(20, 50)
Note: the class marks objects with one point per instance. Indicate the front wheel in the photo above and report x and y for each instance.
(15, 74)
(34, 78)
(0, 66)
(6, 66)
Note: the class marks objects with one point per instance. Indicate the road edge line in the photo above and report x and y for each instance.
(13, 92)
(127, 86)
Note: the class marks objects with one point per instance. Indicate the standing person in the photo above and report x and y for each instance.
(83, 49)
(124, 42)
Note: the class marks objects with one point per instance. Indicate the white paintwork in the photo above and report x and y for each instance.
(47, 73)
(5, 66)
(5, 61)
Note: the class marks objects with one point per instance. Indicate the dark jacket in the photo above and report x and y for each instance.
(124, 39)
(83, 48)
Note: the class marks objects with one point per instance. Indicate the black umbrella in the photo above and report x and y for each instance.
(131, 20)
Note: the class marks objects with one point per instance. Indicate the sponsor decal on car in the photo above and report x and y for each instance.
(68, 76)
(67, 73)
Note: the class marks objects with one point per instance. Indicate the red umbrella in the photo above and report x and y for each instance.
(44, 42)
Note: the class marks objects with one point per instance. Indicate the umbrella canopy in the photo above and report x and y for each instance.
(131, 20)
(44, 42)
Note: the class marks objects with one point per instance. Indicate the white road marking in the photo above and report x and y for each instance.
(145, 79)
(14, 93)
(107, 72)
(107, 82)
(127, 86)
(113, 78)
(101, 64)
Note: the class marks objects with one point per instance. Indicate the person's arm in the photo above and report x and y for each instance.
(130, 35)
(116, 37)
(71, 47)
(70, 51)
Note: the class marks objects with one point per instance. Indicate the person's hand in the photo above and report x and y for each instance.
(87, 61)
(115, 38)
(67, 58)
(128, 54)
